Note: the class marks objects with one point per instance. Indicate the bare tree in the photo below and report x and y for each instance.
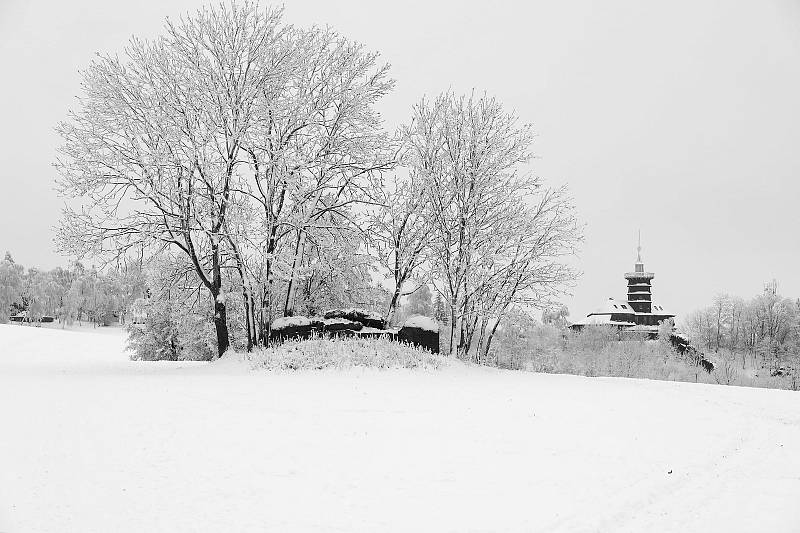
(701, 327)
(525, 267)
(401, 233)
(317, 150)
(763, 326)
(152, 154)
(496, 235)
(721, 311)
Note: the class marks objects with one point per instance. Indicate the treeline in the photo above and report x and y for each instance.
(166, 312)
(247, 156)
(551, 347)
(68, 295)
(762, 332)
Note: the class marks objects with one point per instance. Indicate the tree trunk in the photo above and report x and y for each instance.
(468, 328)
(248, 308)
(291, 291)
(463, 327)
(454, 325)
(220, 315)
(247, 319)
(266, 303)
(480, 354)
(221, 326)
(393, 305)
(299, 252)
(501, 312)
(253, 322)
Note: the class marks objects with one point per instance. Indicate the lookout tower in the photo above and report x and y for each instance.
(637, 314)
(639, 287)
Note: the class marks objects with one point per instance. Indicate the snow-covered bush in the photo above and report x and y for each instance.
(726, 371)
(156, 338)
(525, 344)
(592, 339)
(170, 332)
(665, 335)
(11, 284)
(196, 338)
(344, 352)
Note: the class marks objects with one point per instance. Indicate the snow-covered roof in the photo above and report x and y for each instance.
(657, 310)
(422, 322)
(601, 320)
(617, 306)
(613, 306)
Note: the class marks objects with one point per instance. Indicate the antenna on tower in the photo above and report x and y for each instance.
(639, 248)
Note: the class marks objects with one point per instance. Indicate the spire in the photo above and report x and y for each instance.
(639, 267)
(639, 248)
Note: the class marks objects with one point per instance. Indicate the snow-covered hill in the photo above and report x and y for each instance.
(90, 441)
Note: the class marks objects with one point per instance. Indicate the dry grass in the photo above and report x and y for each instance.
(344, 353)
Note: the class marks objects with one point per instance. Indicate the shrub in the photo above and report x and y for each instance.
(343, 352)
(170, 333)
(523, 343)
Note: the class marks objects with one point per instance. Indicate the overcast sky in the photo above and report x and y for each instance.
(679, 118)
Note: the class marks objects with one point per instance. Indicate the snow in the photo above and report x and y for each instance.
(356, 311)
(290, 321)
(340, 322)
(91, 441)
(421, 322)
(601, 320)
(353, 313)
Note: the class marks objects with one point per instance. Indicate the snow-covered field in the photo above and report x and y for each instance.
(90, 441)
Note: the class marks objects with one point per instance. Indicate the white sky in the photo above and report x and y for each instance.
(679, 118)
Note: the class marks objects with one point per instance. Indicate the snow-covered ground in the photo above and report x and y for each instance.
(90, 441)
